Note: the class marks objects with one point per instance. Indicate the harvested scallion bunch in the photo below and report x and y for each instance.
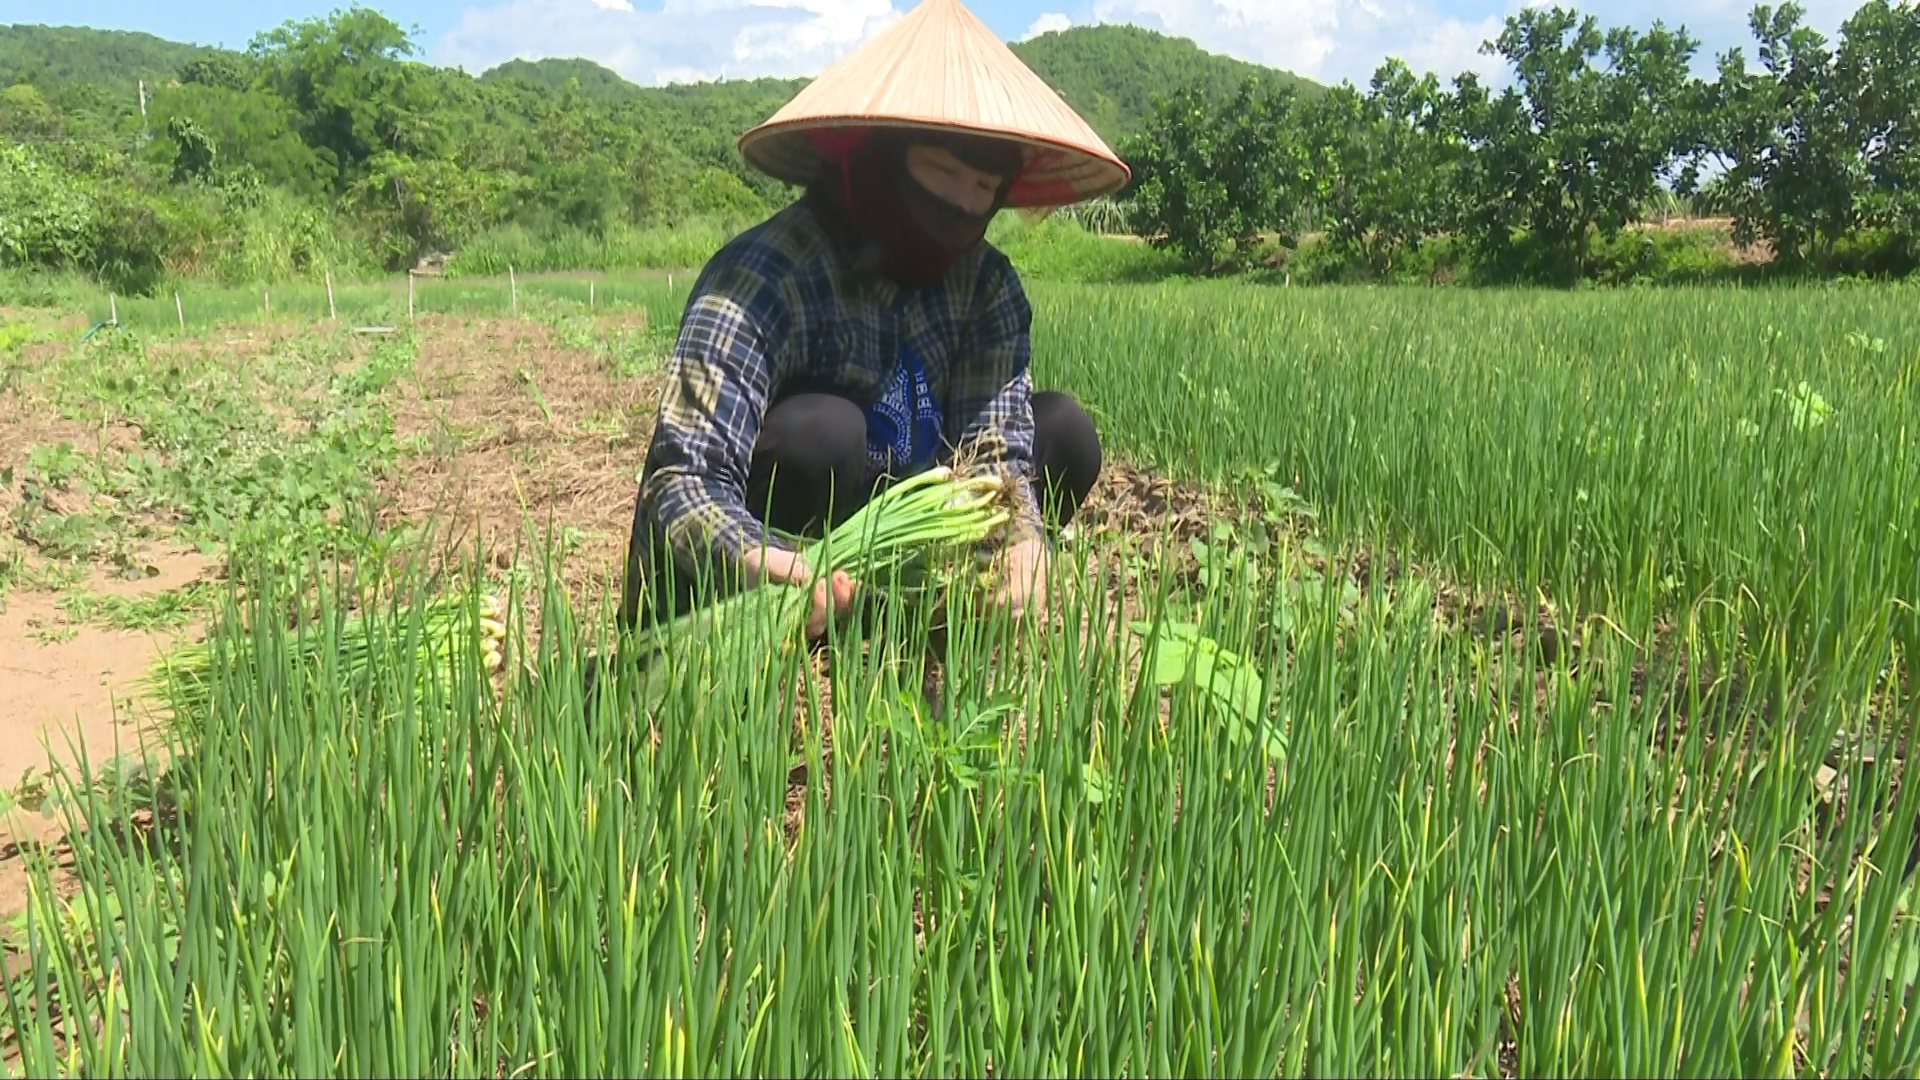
(184, 677)
(899, 537)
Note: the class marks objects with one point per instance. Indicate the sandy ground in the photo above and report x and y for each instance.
(523, 435)
(61, 678)
(69, 687)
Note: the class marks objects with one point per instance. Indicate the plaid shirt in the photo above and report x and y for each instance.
(780, 303)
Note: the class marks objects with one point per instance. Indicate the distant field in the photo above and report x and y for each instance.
(1752, 447)
(385, 303)
(1046, 253)
(1444, 682)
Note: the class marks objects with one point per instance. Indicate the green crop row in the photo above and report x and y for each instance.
(1757, 449)
(1287, 796)
(1288, 829)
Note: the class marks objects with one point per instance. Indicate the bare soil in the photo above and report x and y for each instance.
(527, 442)
(70, 687)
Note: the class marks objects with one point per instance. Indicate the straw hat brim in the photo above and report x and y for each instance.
(940, 69)
(1057, 173)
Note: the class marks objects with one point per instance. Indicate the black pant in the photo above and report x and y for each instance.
(812, 454)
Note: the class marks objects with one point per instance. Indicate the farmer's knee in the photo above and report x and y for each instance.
(814, 431)
(809, 463)
(1067, 451)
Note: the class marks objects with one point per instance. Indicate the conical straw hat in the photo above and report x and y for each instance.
(940, 67)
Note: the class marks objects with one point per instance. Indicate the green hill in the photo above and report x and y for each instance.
(58, 57)
(329, 143)
(597, 82)
(79, 68)
(1110, 74)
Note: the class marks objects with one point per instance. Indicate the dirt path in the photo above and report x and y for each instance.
(60, 677)
(524, 440)
(69, 686)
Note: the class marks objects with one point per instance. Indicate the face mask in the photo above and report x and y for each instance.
(940, 224)
(918, 237)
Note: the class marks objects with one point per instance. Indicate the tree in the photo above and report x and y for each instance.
(1502, 171)
(1210, 181)
(417, 206)
(194, 150)
(222, 70)
(1182, 205)
(52, 219)
(1877, 69)
(252, 129)
(1794, 170)
(346, 78)
(1576, 147)
(25, 116)
(1385, 166)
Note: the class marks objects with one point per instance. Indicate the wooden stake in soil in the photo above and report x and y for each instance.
(589, 294)
(266, 300)
(330, 314)
(513, 290)
(179, 312)
(113, 310)
(409, 296)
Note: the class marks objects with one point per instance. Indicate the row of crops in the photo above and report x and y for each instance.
(1535, 703)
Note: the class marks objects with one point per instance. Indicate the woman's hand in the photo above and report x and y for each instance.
(1023, 578)
(832, 595)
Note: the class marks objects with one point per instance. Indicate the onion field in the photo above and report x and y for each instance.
(1442, 683)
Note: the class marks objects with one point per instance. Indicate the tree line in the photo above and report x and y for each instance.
(325, 145)
(328, 144)
(1813, 154)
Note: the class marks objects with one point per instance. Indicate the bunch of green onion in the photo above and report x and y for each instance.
(904, 543)
(902, 537)
(185, 677)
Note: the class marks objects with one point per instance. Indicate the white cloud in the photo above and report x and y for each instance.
(1449, 48)
(680, 41)
(1048, 23)
(1331, 40)
(1326, 40)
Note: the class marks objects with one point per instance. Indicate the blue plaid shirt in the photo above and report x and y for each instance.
(781, 303)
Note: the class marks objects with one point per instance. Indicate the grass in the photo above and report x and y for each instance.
(383, 303)
(1536, 704)
(1051, 250)
(688, 244)
(1449, 867)
(248, 456)
(650, 270)
(171, 609)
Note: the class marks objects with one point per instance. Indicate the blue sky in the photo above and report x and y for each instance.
(655, 41)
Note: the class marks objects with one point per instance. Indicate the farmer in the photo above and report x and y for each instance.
(867, 331)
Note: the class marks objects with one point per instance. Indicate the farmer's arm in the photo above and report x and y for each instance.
(991, 414)
(710, 413)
